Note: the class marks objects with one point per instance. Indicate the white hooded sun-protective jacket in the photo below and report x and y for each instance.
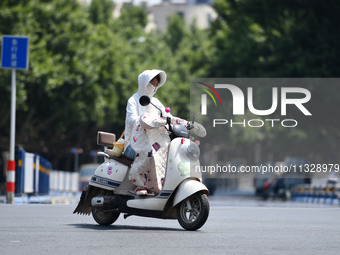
(146, 134)
(134, 109)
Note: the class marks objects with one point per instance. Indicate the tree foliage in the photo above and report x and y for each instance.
(83, 67)
(255, 38)
(100, 11)
(84, 63)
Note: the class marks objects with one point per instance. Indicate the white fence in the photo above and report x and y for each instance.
(61, 181)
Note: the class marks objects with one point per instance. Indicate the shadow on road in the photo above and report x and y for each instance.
(123, 227)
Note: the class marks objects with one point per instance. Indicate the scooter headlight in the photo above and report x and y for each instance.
(192, 151)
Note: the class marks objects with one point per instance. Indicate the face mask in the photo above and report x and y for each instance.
(150, 90)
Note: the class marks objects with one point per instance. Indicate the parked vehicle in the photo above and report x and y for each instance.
(183, 197)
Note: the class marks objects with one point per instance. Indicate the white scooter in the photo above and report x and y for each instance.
(183, 197)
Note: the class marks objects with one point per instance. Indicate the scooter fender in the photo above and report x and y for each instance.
(187, 188)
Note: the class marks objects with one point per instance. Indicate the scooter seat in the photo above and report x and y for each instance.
(121, 159)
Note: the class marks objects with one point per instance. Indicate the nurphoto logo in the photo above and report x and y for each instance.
(297, 97)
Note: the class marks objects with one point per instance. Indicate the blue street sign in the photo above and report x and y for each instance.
(77, 150)
(14, 54)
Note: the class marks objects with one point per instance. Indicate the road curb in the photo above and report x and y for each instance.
(62, 198)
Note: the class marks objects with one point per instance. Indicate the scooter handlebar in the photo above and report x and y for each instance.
(168, 121)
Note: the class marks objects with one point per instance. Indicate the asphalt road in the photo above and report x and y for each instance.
(235, 226)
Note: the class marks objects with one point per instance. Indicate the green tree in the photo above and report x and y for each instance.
(82, 72)
(175, 32)
(254, 38)
(101, 11)
(74, 78)
(131, 22)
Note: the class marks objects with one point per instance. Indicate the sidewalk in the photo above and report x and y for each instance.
(52, 198)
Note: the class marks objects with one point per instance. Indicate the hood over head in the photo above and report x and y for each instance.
(144, 86)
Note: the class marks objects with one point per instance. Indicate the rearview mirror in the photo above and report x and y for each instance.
(144, 100)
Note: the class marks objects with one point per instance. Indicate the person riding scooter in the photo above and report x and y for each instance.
(182, 196)
(147, 146)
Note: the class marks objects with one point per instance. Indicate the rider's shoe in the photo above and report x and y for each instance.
(141, 192)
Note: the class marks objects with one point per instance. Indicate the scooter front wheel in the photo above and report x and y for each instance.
(103, 216)
(193, 211)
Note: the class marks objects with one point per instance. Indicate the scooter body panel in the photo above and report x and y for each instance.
(109, 175)
(148, 203)
(179, 165)
(187, 188)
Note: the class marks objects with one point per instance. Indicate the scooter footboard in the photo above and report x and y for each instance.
(187, 188)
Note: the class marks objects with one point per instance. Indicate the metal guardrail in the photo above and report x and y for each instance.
(62, 181)
(34, 176)
(32, 173)
(317, 194)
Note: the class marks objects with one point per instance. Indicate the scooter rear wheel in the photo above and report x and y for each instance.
(193, 212)
(104, 216)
